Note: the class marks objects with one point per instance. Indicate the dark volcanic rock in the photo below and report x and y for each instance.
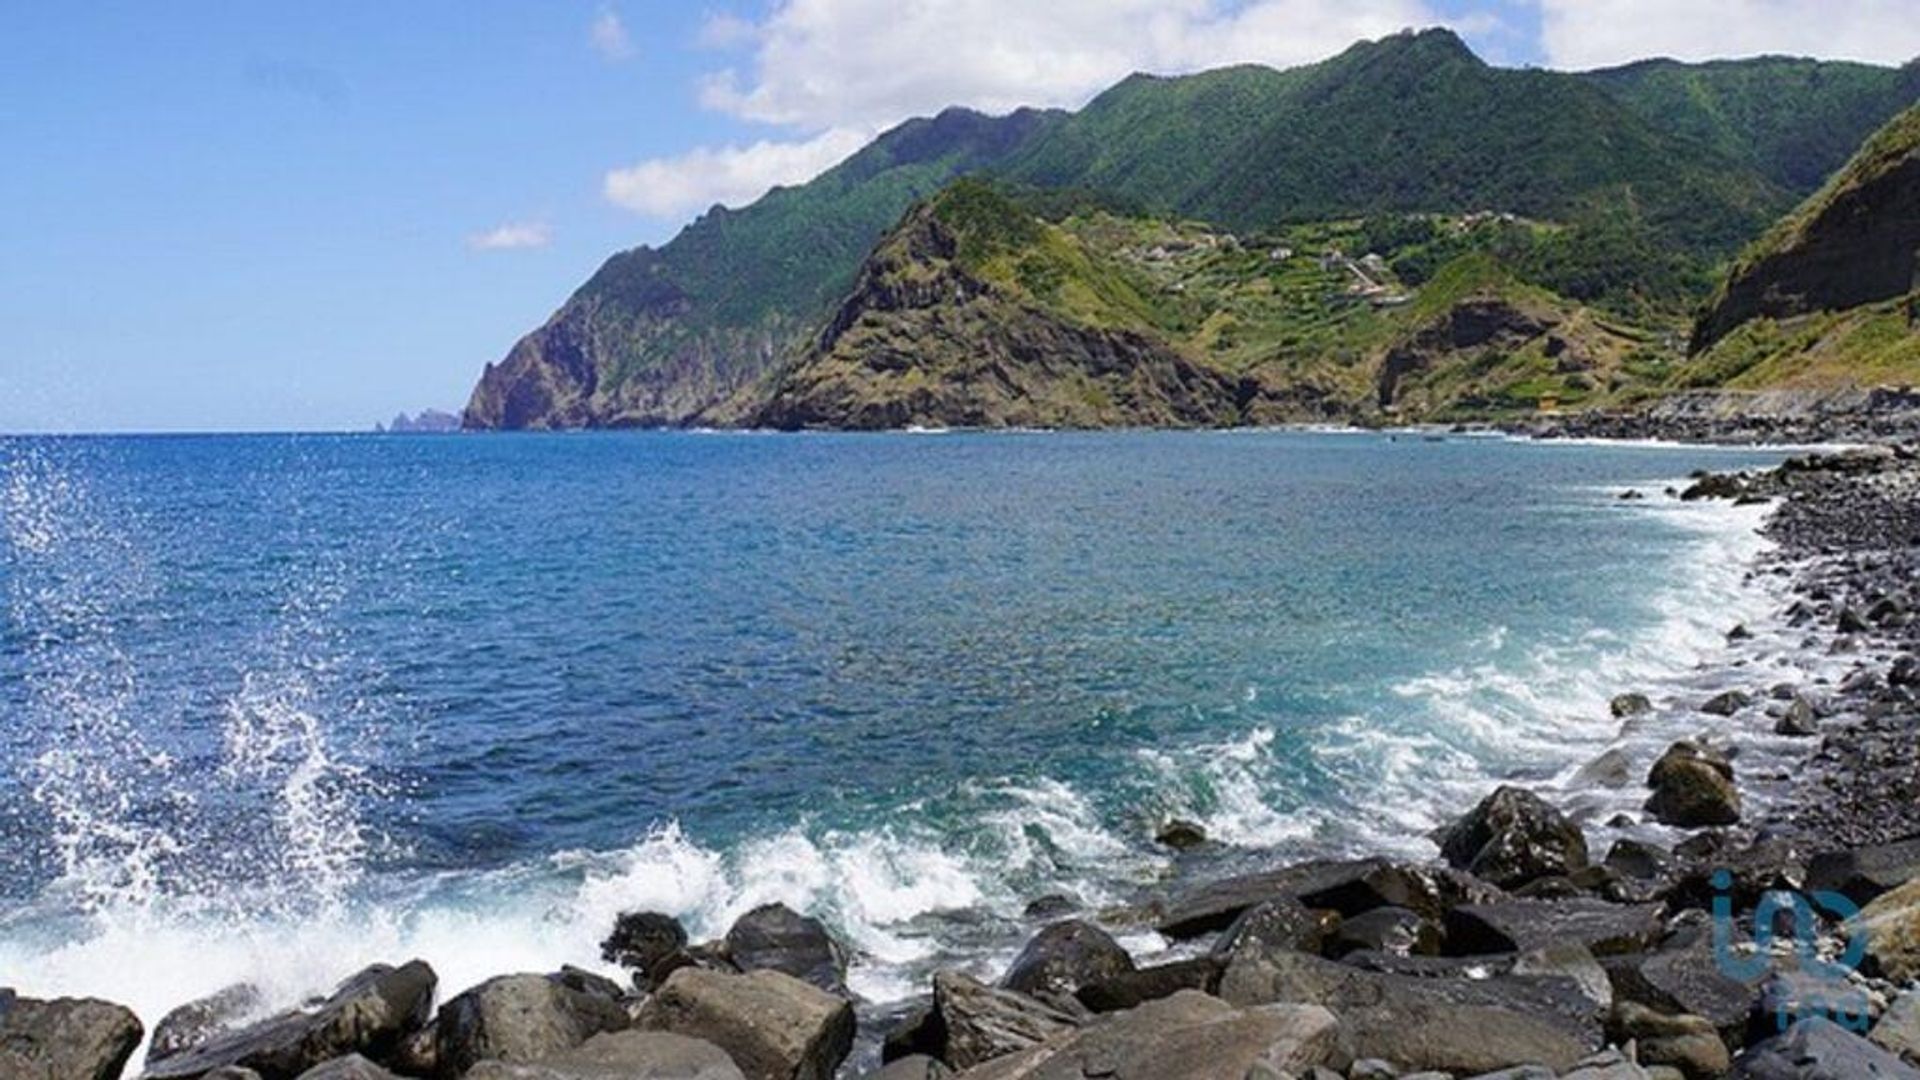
(1820, 1050)
(776, 938)
(642, 939)
(351, 1067)
(1393, 930)
(977, 1023)
(1349, 887)
(1181, 835)
(1693, 786)
(199, 1021)
(1520, 925)
(1285, 923)
(65, 1039)
(370, 1014)
(519, 1018)
(773, 1026)
(1063, 958)
(1862, 874)
(622, 1055)
(1188, 1036)
(1683, 977)
(1513, 837)
(1133, 988)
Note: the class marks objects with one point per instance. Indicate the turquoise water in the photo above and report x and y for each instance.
(279, 705)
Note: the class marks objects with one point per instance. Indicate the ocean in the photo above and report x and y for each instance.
(275, 707)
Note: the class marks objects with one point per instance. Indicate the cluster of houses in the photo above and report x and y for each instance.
(1369, 277)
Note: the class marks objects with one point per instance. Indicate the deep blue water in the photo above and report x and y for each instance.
(486, 691)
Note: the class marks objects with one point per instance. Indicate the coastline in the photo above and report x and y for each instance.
(1391, 946)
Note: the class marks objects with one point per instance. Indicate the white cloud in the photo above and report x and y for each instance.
(1597, 33)
(732, 176)
(609, 37)
(871, 63)
(726, 32)
(513, 236)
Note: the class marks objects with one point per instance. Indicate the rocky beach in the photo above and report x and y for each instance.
(1520, 951)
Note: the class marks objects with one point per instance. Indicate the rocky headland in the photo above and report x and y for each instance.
(1720, 946)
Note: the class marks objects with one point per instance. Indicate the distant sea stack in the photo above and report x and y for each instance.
(428, 422)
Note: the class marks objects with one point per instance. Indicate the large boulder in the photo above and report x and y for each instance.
(774, 937)
(642, 940)
(519, 1018)
(773, 1026)
(200, 1021)
(65, 1039)
(1519, 925)
(1863, 874)
(1188, 1036)
(1898, 1029)
(1819, 1050)
(1284, 923)
(1348, 887)
(1461, 1025)
(1693, 786)
(1514, 837)
(1063, 958)
(1130, 989)
(622, 1055)
(970, 1022)
(370, 1014)
(351, 1067)
(1686, 1043)
(1682, 977)
(1892, 927)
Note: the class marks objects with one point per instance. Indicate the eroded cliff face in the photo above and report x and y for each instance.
(1853, 243)
(923, 342)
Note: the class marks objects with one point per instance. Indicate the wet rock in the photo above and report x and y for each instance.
(642, 939)
(1521, 925)
(1612, 769)
(1063, 958)
(774, 937)
(1905, 671)
(1134, 988)
(1862, 874)
(370, 1014)
(1394, 930)
(1852, 622)
(1798, 720)
(1051, 906)
(1181, 835)
(773, 1026)
(198, 1021)
(1638, 859)
(1627, 706)
(977, 1023)
(1892, 927)
(1898, 1029)
(1454, 1024)
(1693, 786)
(1215, 905)
(622, 1055)
(351, 1067)
(1513, 837)
(1683, 977)
(518, 1018)
(1727, 703)
(65, 1039)
(1285, 924)
(1819, 1050)
(1687, 1043)
(1188, 1036)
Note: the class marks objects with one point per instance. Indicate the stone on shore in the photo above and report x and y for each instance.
(1627, 706)
(1181, 835)
(370, 1014)
(65, 1039)
(1348, 887)
(1682, 977)
(1514, 837)
(622, 1055)
(1520, 925)
(1819, 1050)
(1189, 1036)
(1689, 1044)
(1892, 926)
(774, 937)
(351, 1067)
(519, 1018)
(1459, 1025)
(1285, 924)
(199, 1021)
(1727, 703)
(641, 940)
(1065, 957)
(1863, 874)
(1898, 1029)
(1692, 787)
(1131, 989)
(971, 1022)
(773, 1026)
(917, 1067)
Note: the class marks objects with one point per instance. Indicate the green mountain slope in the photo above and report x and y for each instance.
(661, 336)
(980, 312)
(1832, 292)
(1651, 173)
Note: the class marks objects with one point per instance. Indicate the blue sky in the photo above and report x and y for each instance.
(310, 216)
